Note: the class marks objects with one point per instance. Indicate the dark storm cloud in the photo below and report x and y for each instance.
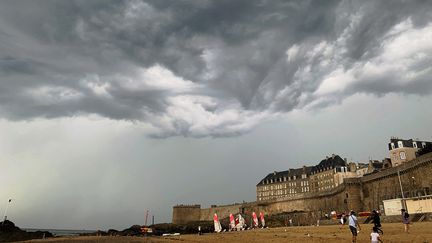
(199, 68)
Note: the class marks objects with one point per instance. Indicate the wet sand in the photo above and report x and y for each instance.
(420, 232)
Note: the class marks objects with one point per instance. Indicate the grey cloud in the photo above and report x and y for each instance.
(10, 65)
(234, 51)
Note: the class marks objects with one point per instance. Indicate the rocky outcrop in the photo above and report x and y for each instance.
(9, 233)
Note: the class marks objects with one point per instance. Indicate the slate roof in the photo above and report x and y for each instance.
(333, 162)
(407, 143)
(329, 162)
(377, 164)
(276, 176)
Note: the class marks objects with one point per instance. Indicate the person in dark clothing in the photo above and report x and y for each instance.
(405, 220)
(376, 221)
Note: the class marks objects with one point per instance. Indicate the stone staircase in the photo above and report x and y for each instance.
(418, 217)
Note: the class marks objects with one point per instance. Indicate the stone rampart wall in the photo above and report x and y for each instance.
(186, 213)
(415, 177)
(342, 198)
(222, 211)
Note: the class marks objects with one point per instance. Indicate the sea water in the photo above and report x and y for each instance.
(62, 232)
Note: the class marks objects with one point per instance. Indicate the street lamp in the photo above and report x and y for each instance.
(5, 212)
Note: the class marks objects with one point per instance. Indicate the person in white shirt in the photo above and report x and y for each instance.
(375, 237)
(354, 226)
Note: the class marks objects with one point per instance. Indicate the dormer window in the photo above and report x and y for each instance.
(392, 146)
(423, 144)
(400, 144)
(414, 144)
(402, 155)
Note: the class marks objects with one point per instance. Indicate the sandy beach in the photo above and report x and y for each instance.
(393, 232)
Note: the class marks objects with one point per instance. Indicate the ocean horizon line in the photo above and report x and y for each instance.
(61, 232)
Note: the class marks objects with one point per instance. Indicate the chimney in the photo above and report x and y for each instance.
(352, 166)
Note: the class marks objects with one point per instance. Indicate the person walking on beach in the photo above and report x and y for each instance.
(375, 237)
(376, 221)
(405, 220)
(354, 226)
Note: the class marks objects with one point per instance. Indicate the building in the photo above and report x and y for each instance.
(329, 173)
(361, 169)
(402, 150)
(284, 184)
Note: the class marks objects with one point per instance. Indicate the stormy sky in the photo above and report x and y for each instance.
(112, 108)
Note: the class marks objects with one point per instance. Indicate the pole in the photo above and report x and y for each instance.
(152, 219)
(400, 184)
(146, 216)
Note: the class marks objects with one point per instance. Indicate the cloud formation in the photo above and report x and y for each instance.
(206, 68)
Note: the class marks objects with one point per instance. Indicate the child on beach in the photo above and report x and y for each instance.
(405, 220)
(375, 237)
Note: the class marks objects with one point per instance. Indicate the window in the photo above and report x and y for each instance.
(414, 144)
(423, 144)
(402, 155)
(392, 146)
(400, 144)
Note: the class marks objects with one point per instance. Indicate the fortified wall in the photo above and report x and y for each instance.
(186, 213)
(415, 177)
(360, 194)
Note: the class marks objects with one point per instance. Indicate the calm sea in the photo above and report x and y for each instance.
(62, 232)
